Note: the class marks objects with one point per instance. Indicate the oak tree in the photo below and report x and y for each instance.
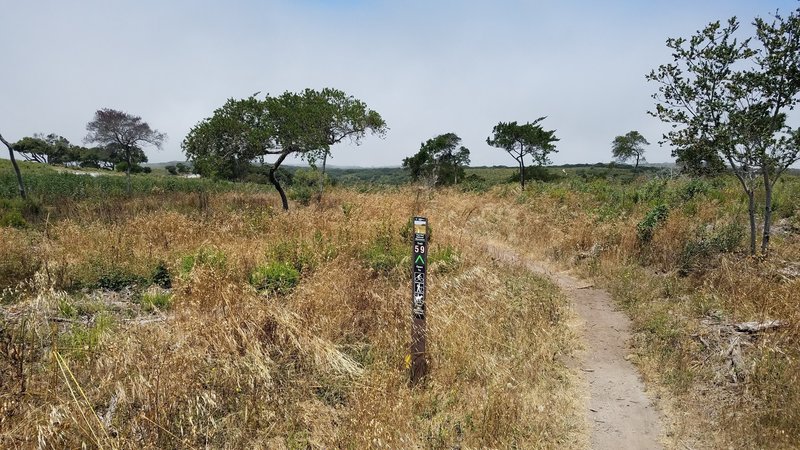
(50, 149)
(440, 160)
(629, 146)
(520, 141)
(125, 134)
(727, 100)
(304, 124)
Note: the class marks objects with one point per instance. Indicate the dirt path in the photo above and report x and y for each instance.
(619, 413)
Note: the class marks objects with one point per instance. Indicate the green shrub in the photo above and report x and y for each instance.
(654, 218)
(16, 212)
(382, 259)
(347, 209)
(786, 197)
(161, 276)
(692, 189)
(297, 254)
(698, 254)
(302, 194)
(305, 185)
(83, 340)
(204, 257)
(652, 191)
(535, 173)
(13, 219)
(117, 279)
(386, 251)
(50, 187)
(66, 308)
(277, 277)
(156, 301)
(474, 183)
(444, 259)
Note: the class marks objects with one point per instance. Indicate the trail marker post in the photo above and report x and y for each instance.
(419, 265)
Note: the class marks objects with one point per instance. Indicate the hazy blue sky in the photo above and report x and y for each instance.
(427, 67)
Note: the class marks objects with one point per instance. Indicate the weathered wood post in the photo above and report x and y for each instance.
(419, 361)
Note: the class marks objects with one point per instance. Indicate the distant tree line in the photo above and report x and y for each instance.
(441, 160)
(57, 150)
(178, 169)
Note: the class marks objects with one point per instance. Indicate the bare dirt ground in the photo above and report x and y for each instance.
(619, 413)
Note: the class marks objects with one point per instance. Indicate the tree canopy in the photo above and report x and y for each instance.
(54, 149)
(439, 161)
(529, 139)
(124, 134)
(727, 100)
(305, 124)
(629, 146)
(50, 149)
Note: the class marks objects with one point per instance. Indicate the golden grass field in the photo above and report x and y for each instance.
(321, 366)
(214, 362)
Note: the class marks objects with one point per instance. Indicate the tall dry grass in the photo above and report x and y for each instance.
(319, 366)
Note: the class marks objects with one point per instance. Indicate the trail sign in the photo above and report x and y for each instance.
(419, 362)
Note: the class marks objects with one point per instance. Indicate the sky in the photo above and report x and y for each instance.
(428, 67)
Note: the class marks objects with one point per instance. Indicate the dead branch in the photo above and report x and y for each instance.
(755, 327)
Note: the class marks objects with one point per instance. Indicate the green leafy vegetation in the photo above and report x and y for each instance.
(304, 124)
(440, 161)
(275, 277)
(83, 341)
(117, 279)
(444, 258)
(204, 257)
(629, 146)
(698, 253)
(385, 252)
(156, 301)
(161, 276)
(648, 225)
(520, 141)
(727, 98)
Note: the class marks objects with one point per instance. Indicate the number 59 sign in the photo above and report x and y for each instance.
(419, 265)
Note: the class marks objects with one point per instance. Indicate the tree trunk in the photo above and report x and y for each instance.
(767, 214)
(751, 210)
(128, 172)
(636, 167)
(20, 184)
(522, 173)
(322, 178)
(751, 203)
(274, 180)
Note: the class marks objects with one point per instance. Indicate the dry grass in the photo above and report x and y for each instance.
(321, 366)
(720, 388)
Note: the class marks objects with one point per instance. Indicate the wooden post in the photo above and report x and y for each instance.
(419, 361)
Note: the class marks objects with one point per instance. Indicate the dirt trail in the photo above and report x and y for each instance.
(619, 413)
